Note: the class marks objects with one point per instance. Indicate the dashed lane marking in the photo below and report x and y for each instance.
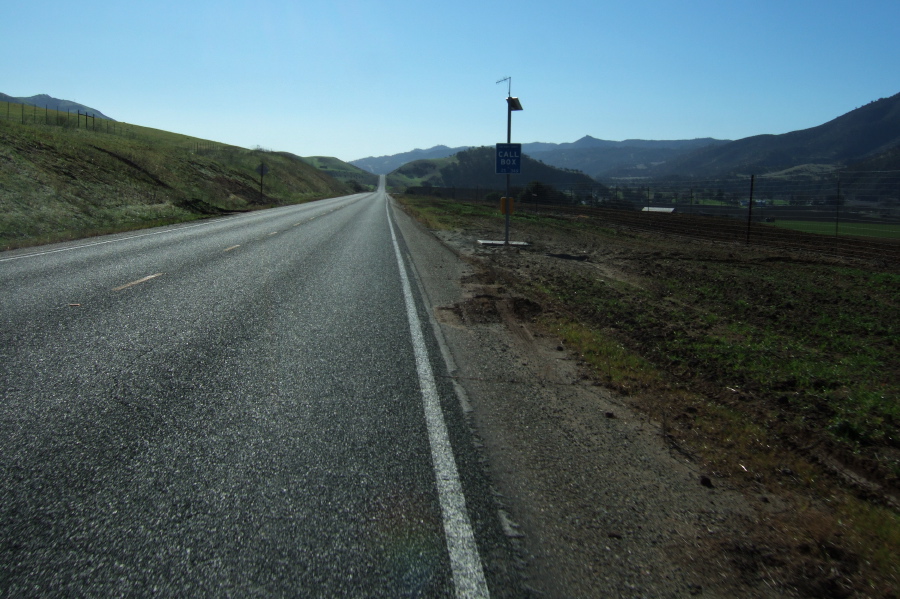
(138, 282)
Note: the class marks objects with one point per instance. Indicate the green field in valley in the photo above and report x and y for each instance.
(881, 230)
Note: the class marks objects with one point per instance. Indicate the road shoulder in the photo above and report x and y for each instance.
(589, 493)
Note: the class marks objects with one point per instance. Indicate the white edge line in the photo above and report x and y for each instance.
(118, 239)
(452, 367)
(468, 573)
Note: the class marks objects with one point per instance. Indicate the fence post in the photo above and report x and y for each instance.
(750, 206)
(837, 208)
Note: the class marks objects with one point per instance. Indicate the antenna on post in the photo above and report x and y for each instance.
(509, 88)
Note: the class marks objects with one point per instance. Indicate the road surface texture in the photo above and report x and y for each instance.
(244, 407)
(237, 407)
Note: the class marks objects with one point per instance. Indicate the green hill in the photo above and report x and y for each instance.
(475, 168)
(58, 181)
(357, 178)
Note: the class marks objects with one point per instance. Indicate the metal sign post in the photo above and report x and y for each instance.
(262, 169)
(509, 155)
(509, 162)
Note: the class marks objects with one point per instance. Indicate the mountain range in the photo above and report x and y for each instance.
(595, 157)
(382, 165)
(867, 138)
(601, 158)
(861, 135)
(45, 101)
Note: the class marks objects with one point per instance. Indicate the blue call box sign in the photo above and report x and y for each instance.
(509, 159)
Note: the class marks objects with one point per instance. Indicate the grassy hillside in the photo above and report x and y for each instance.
(424, 171)
(58, 182)
(352, 175)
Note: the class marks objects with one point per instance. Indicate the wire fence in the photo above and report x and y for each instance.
(35, 115)
(842, 213)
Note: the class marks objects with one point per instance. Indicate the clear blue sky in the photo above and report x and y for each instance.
(357, 78)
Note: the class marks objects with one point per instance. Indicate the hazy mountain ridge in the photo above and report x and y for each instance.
(595, 157)
(603, 158)
(45, 101)
(382, 165)
(868, 135)
(588, 142)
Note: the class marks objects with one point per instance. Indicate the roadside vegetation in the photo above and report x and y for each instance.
(778, 371)
(60, 182)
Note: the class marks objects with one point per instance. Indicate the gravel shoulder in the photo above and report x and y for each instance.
(591, 493)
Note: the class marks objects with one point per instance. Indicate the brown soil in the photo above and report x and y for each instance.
(786, 540)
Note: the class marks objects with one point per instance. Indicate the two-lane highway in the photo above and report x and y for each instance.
(233, 407)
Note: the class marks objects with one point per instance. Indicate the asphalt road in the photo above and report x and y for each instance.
(234, 407)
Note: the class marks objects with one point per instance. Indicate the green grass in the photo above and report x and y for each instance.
(622, 368)
(824, 336)
(62, 182)
(885, 231)
(446, 214)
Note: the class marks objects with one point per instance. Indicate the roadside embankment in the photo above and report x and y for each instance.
(59, 183)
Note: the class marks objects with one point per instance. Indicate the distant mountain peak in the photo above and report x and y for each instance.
(48, 101)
